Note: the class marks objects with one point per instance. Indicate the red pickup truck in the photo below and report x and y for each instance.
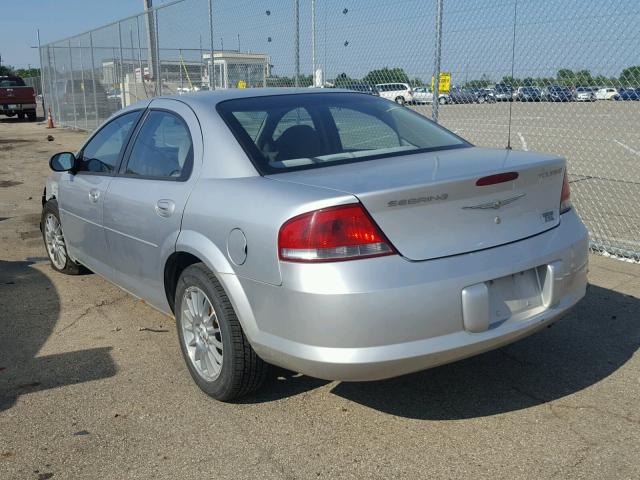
(17, 99)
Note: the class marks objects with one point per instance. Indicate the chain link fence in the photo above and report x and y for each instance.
(556, 76)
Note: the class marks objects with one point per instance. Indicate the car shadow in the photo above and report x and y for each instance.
(597, 338)
(29, 310)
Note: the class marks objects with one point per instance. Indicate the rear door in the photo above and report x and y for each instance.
(81, 194)
(144, 204)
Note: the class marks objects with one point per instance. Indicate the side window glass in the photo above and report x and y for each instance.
(102, 152)
(162, 148)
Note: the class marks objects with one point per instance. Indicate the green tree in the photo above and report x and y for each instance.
(386, 75)
(6, 70)
(28, 72)
(630, 76)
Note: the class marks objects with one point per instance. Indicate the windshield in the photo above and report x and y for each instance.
(291, 132)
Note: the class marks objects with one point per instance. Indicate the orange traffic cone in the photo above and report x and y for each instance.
(50, 120)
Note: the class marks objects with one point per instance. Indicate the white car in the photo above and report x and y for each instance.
(606, 93)
(398, 92)
(422, 95)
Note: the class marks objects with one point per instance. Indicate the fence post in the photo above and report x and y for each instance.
(93, 79)
(296, 14)
(44, 109)
(84, 90)
(121, 68)
(436, 66)
(211, 68)
(313, 42)
(73, 91)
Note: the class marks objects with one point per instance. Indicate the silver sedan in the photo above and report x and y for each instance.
(332, 233)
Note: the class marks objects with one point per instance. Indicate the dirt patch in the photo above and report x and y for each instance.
(30, 234)
(9, 183)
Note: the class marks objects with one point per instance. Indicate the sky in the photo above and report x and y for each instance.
(355, 36)
(19, 20)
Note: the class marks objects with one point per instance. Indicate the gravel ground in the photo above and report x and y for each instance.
(85, 393)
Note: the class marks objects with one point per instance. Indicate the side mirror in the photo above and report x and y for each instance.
(62, 162)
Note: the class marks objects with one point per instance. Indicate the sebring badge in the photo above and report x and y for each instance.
(495, 205)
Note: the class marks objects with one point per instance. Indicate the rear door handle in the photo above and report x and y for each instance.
(165, 208)
(94, 195)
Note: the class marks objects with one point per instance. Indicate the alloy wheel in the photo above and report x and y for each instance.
(55, 241)
(201, 334)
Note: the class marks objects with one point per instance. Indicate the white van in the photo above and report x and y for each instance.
(398, 92)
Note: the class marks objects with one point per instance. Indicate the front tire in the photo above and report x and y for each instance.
(54, 240)
(442, 101)
(400, 100)
(217, 353)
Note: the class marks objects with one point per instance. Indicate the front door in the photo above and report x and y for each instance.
(81, 193)
(144, 204)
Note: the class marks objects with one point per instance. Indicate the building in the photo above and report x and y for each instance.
(233, 69)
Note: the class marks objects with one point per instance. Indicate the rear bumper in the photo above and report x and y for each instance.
(383, 317)
(17, 107)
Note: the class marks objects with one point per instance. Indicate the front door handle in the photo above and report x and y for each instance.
(94, 195)
(165, 208)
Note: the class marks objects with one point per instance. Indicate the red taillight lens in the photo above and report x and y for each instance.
(332, 234)
(565, 196)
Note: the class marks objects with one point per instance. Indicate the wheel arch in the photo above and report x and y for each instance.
(193, 247)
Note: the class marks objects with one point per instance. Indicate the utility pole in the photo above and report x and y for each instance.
(436, 67)
(151, 40)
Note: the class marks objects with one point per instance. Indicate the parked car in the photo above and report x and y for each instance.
(422, 95)
(464, 95)
(398, 92)
(362, 88)
(584, 94)
(339, 238)
(529, 94)
(607, 93)
(503, 92)
(483, 94)
(16, 98)
(628, 94)
(74, 98)
(558, 93)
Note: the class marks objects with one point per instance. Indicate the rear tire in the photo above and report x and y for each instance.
(442, 101)
(21, 116)
(32, 116)
(54, 242)
(400, 100)
(217, 353)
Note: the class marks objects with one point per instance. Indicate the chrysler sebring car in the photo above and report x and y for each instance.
(329, 232)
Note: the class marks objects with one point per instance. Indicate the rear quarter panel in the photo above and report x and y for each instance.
(257, 206)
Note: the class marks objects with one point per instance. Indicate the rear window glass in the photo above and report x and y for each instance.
(291, 132)
(11, 82)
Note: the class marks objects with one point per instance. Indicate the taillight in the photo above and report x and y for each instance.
(565, 196)
(332, 234)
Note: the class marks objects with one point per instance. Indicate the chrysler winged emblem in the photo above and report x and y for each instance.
(494, 205)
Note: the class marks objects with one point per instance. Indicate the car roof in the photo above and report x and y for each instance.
(203, 101)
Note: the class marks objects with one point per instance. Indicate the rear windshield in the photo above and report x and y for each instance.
(292, 132)
(11, 82)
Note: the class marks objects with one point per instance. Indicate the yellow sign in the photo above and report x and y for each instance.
(242, 84)
(445, 82)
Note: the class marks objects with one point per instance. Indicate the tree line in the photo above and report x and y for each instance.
(629, 77)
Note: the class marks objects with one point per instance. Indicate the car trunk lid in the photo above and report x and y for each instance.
(435, 204)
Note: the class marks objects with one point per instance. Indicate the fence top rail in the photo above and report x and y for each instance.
(115, 22)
